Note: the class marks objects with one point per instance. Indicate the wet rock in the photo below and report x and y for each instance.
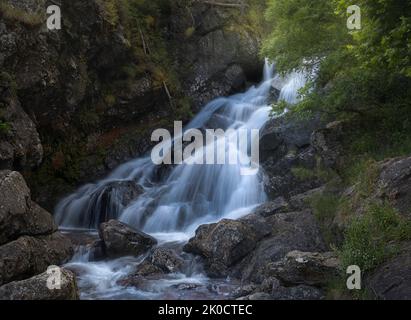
(146, 268)
(166, 259)
(28, 256)
(18, 214)
(35, 288)
(115, 196)
(308, 268)
(223, 244)
(187, 286)
(122, 240)
(392, 279)
(289, 231)
(257, 296)
(394, 184)
(278, 205)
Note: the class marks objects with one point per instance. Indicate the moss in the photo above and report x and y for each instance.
(316, 173)
(5, 127)
(14, 14)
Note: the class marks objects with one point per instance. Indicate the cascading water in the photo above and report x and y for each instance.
(175, 200)
(190, 194)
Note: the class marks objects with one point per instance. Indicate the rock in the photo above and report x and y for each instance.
(279, 179)
(245, 290)
(107, 203)
(20, 145)
(394, 184)
(300, 201)
(166, 259)
(308, 268)
(267, 209)
(35, 288)
(122, 240)
(18, 214)
(392, 279)
(223, 244)
(160, 261)
(301, 292)
(288, 131)
(329, 143)
(28, 256)
(146, 268)
(289, 231)
(257, 296)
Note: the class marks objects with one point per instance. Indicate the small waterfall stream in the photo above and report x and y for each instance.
(173, 201)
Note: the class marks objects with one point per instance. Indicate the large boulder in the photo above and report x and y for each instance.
(289, 231)
(35, 288)
(18, 214)
(28, 256)
(121, 239)
(225, 243)
(305, 268)
(392, 279)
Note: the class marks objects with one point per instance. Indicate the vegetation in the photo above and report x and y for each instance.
(373, 237)
(365, 72)
(12, 13)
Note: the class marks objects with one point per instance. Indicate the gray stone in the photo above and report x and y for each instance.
(122, 240)
(35, 288)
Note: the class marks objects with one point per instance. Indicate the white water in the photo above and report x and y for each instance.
(172, 207)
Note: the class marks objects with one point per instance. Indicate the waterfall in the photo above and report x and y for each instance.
(181, 197)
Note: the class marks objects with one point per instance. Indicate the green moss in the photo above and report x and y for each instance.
(316, 173)
(4, 127)
(14, 14)
(373, 237)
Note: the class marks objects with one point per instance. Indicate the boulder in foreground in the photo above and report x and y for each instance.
(35, 288)
(122, 240)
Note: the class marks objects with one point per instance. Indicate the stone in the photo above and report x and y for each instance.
(18, 214)
(394, 184)
(270, 208)
(28, 256)
(35, 288)
(223, 244)
(307, 268)
(289, 231)
(301, 292)
(392, 279)
(122, 240)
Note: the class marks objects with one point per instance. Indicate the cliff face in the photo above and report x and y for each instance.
(76, 102)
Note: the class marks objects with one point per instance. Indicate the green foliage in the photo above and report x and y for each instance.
(365, 72)
(371, 238)
(325, 207)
